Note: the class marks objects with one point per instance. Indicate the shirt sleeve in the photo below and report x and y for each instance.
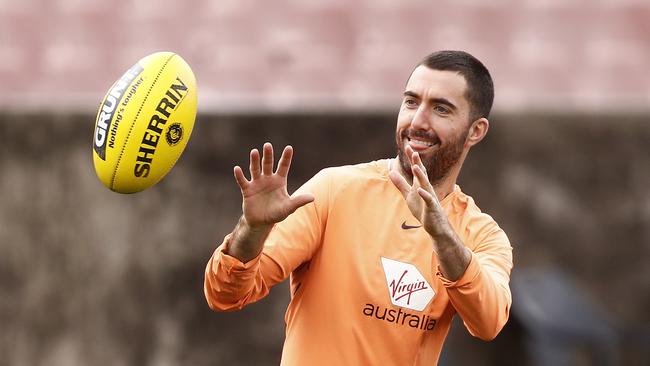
(481, 296)
(230, 284)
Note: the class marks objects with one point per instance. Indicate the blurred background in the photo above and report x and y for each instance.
(91, 277)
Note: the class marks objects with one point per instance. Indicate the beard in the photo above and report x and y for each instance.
(437, 164)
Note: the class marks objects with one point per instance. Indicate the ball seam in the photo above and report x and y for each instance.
(128, 135)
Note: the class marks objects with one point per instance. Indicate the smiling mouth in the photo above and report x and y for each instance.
(420, 141)
(415, 142)
(421, 144)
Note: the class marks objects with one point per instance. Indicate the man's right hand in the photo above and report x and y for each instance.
(265, 201)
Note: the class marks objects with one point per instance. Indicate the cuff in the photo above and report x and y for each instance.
(232, 264)
(468, 277)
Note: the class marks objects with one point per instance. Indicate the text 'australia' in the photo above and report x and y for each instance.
(168, 103)
(399, 317)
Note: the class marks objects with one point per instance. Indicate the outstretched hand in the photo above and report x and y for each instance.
(420, 196)
(265, 197)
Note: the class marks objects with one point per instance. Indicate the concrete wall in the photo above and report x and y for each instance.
(90, 277)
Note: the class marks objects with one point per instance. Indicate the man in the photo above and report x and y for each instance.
(381, 255)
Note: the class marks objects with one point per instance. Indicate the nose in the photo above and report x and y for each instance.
(420, 119)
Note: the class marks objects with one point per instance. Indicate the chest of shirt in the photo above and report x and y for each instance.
(375, 254)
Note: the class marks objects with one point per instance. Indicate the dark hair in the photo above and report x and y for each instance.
(480, 90)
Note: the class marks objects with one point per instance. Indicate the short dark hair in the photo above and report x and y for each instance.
(480, 89)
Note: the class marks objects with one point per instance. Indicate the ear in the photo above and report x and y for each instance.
(477, 131)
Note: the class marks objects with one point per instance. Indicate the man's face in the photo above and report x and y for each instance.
(434, 120)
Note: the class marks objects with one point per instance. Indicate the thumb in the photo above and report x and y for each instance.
(399, 182)
(299, 201)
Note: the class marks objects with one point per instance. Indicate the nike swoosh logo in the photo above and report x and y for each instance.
(406, 227)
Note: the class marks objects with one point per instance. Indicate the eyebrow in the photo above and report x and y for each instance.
(444, 101)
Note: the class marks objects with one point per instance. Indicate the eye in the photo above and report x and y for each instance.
(440, 109)
(410, 102)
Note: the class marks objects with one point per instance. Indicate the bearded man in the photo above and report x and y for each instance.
(380, 255)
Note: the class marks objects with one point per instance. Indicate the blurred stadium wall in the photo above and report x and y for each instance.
(89, 277)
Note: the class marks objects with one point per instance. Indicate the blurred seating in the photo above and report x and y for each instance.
(563, 326)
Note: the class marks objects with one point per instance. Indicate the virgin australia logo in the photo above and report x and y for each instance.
(406, 285)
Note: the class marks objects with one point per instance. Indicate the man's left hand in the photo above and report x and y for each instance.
(421, 197)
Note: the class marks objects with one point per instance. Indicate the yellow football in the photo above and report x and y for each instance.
(144, 123)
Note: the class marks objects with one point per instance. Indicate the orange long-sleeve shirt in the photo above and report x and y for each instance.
(365, 284)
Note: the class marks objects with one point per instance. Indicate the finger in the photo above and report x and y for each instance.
(409, 152)
(417, 160)
(254, 165)
(421, 177)
(428, 198)
(300, 200)
(285, 162)
(240, 178)
(398, 180)
(267, 159)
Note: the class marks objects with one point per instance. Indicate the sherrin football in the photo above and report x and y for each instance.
(144, 123)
